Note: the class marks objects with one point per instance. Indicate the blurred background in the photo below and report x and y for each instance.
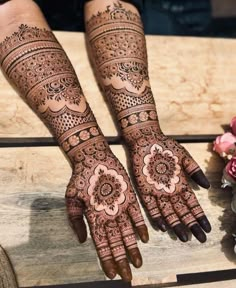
(210, 18)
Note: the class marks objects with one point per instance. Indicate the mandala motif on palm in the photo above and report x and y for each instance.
(161, 168)
(107, 190)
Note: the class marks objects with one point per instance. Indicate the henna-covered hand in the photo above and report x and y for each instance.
(118, 51)
(100, 189)
(160, 165)
(38, 67)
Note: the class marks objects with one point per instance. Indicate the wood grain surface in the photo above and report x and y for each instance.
(193, 81)
(44, 250)
(219, 284)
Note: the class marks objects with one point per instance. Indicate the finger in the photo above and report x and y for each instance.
(75, 215)
(205, 224)
(191, 200)
(198, 233)
(167, 211)
(187, 217)
(181, 232)
(154, 212)
(118, 250)
(137, 218)
(124, 270)
(129, 239)
(182, 210)
(194, 171)
(99, 236)
(171, 217)
(200, 179)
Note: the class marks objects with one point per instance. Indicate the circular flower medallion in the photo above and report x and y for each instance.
(161, 168)
(107, 190)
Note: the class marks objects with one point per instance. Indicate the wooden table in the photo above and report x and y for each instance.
(194, 84)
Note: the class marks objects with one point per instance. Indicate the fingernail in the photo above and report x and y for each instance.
(138, 263)
(183, 237)
(163, 227)
(112, 274)
(205, 224)
(125, 275)
(198, 233)
(145, 238)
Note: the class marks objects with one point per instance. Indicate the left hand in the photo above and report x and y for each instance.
(160, 165)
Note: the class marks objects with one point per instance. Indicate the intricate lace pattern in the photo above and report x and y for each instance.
(123, 99)
(161, 168)
(158, 168)
(99, 186)
(118, 45)
(108, 198)
(36, 63)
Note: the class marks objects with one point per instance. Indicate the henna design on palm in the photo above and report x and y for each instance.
(159, 165)
(158, 162)
(99, 187)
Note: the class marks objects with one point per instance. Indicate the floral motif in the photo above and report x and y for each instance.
(107, 190)
(73, 140)
(143, 116)
(94, 131)
(161, 168)
(153, 115)
(84, 135)
(124, 123)
(133, 119)
(66, 146)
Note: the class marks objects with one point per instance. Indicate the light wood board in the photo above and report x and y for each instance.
(219, 284)
(193, 81)
(44, 250)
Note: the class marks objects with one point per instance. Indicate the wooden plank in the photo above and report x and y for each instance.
(218, 284)
(192, 79)
(44, 250)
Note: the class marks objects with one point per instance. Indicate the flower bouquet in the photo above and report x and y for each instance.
(225, 146)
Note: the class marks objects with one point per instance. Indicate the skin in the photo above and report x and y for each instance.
(160, 166)
(99, 189)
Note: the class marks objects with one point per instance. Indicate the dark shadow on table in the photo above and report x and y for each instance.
(52, 252)
(222, 198)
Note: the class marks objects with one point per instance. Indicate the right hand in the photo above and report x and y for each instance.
(100, 188)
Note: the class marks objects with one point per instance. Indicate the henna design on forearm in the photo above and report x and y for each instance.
(117, 45)
(35, 62)
(117, 40)
(37, 65)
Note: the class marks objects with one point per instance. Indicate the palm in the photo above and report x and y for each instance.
(101, 189)
(159, 165)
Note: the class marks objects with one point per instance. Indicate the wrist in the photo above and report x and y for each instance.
(149, 129)
(75, 140)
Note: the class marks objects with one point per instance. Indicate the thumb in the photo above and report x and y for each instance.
(194, 171)
(75, 215)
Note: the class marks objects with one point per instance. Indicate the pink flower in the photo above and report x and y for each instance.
(225, 144)
(230, 169)
(233, 125)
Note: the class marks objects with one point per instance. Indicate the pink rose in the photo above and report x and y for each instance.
(225, 144)
(233, 125)
(230, 169)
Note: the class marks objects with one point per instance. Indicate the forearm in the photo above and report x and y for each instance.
(36, 64)
(118, 51)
